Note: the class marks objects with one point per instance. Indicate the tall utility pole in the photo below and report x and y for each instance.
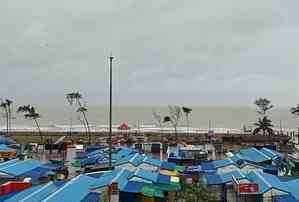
(110, 116)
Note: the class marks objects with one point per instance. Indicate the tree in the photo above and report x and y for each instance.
(265, 125)
(6, 106)
(158, 118)
(30, 113)
(263, 105)
(195, 192)
(174, 117)
(76, 97)
(295, 111)
(187, 112)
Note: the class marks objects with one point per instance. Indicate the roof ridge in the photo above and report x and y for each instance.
(262, 153)
(133, 158)
(269, 150)
(263, 179)
(118, 175)
(37, 191)
(63, 187)
(16, 163)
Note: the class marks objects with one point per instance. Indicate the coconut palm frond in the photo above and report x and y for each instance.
(186, 110)
(295, 110)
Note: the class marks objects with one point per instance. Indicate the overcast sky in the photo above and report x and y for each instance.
(196, 52)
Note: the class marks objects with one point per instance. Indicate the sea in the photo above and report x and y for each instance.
(234, 117)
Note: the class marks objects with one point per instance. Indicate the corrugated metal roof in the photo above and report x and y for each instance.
(137, 159)
(36, 173)
(43, 192)
(4, 148)
(267, 181)
(168, 165)
(123, 152)
(271, 153)
(253, 155)
(208, 167)
(105, 179)
(125, 159)
(286, 198)
(222, 163)
(227, 177)
(163, 179)
(75, 190)
(133, 187)
(147, 175)
(213, 179)
(6, 140)
(120, 176)
(154, 162)
(7, 163)
(292, 186)
(13, 197)
(20, 167)
(92, 197)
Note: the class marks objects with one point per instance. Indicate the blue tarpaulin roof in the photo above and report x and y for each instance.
(43, 192)
(13, 197)
(105, 179)
(19, 167)
(253, 155)
(125, 159)
(213, 179)
(133, 187)
(74, 190)
(4, 148)
(154, 162)
(286, 198)
(137, 159)
(267, 181)
(120, 176)
(7, 141)
(123, 152)
(222, 163)
(92, 197)
(147, 175)
(168, 165)
(163, 179)
(36, 173)
(208, 167)
(225, 178)
(271, 153)
(292, 186)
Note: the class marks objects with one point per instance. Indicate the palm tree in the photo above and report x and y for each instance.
(265, 125)
(295, 110)
(6, 106)
(174, 117)
(76, 97)
(187, 112)
(9, 106)
(30, 113)
(70, 99)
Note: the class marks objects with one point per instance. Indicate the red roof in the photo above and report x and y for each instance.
(124, 126)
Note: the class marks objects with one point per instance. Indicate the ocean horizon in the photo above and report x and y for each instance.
(201, 116)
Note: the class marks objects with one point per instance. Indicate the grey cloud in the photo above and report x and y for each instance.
(168, 51)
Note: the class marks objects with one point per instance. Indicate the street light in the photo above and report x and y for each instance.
(110, 116)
